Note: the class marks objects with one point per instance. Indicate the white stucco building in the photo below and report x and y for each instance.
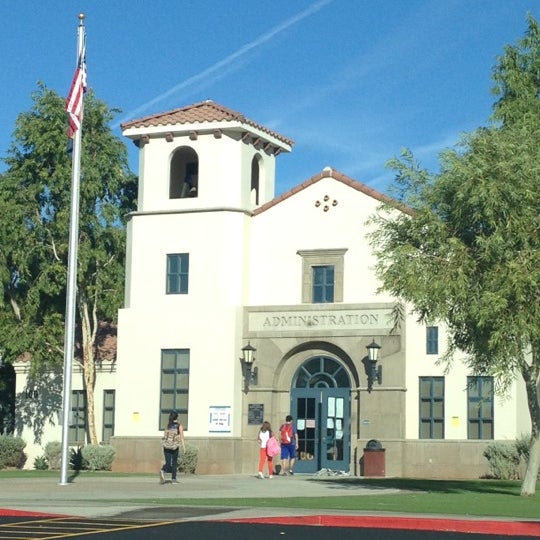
(216, 262)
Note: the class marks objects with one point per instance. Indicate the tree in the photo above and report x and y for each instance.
(34, 224)
(466, 250)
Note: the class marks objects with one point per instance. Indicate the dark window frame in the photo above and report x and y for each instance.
(434, 422)
(78, 418)
(432, 340)
(107, 429)
(176, 392)
(323, 284)
(177, 281)
(480, 391)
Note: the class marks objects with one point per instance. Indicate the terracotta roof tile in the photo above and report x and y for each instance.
(205, 111)
(328, 172)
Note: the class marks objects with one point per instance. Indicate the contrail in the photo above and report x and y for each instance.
(229, 59)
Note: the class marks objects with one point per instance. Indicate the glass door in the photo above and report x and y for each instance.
(335, 422)
(322, 417)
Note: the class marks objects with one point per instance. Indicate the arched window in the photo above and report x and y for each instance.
(321, 372)
(184, 176)
(255, 178)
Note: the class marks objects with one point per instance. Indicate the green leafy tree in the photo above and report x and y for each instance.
(463, 246)
(35, 195)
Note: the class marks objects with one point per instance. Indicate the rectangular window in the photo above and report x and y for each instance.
(174, 385)
(323, 284)
(177, 273)
(322, 275)
(77, 424)
(432, 340)
(480, 407)
(108, 415)
(431, 408)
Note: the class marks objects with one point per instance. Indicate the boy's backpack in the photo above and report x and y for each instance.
(286, 433)
(170, 439)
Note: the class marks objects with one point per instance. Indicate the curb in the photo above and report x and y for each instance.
(8, 512)
(504, 528)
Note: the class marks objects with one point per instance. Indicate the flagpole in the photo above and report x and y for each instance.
(71, 292)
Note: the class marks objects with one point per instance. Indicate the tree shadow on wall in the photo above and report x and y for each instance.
(40, 403)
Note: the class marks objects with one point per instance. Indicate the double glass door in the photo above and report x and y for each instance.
(322, 417)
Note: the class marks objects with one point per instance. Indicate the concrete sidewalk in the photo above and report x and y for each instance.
(90, 496)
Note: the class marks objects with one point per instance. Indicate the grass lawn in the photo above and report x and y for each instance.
(493, 498)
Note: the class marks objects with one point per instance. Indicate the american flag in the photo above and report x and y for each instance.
(74, 101)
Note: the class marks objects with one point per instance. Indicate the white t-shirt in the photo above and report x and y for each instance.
(264, 436)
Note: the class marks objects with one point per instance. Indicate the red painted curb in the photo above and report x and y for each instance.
(7, 512)
(506, 528)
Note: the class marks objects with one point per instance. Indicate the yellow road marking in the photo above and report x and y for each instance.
(53, 528)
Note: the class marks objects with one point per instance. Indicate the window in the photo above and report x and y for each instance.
(174, 385)
(431, 408)
(432, 340)
(323, 284)
(321, 372)
(480, 407)
(184, 175)
(77, 424)
(255, 178)
(177, 273)
(322, 275)
(108, 415)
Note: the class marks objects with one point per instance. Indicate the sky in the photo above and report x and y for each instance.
(352, 82)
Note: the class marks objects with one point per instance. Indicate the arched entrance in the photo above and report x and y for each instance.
(321, 407)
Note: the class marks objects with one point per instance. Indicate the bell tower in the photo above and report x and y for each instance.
(204, 155)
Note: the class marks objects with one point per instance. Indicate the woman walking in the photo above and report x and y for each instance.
(265, 433)
(173, 436)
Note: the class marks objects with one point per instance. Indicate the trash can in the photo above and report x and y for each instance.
(374, 459)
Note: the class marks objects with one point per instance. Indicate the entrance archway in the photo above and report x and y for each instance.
(321, 407)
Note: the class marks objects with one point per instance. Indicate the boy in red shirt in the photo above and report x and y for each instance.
(289, 444)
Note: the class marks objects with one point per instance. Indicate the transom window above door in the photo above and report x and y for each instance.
(321, 372)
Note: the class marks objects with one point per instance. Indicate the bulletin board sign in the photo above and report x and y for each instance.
(220, 419)
(255, 414)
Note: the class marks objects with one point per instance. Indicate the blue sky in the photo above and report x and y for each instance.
(351, 81)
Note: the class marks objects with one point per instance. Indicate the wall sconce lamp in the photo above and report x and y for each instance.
(374, 370)
(248, 370)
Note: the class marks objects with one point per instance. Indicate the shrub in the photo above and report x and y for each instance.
(53, 454)
(12, 452)
(503, 459)
(76, 460)
(99, 457)
(523, 445)
(41, 463)
(187, 461)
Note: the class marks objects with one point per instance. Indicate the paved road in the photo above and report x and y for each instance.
(116, 529)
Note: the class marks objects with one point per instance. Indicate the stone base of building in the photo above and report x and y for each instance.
(407, 459)
(215, 455)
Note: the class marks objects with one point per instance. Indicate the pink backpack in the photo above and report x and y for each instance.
(272, 447)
